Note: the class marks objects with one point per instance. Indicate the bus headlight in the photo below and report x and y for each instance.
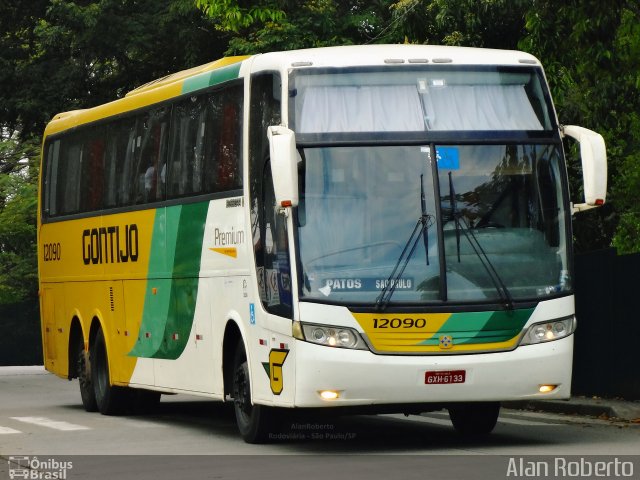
(549, 331)
(328, 335)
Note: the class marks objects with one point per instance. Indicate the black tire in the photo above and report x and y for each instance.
(475, 418)
(83, 365)
(255, 422)
(111, 400)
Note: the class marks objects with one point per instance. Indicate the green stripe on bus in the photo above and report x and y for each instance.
(184, 286)
(168, 313)
(502, 326)
(155, 305)
(213, 77)
(472, 328)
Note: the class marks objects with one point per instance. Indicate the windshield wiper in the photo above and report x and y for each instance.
(499, 285)
(421, 229)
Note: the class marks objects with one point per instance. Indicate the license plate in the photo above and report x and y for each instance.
(445, 377)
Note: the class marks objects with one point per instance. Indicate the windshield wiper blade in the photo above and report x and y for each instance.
(421, 229)
(497, 281)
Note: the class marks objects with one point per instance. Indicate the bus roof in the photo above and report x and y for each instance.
(371, 55)
(229, 67)
(153, 92)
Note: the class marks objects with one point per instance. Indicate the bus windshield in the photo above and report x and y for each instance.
(495, 215)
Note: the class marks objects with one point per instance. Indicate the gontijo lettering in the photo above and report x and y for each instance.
(110, 244)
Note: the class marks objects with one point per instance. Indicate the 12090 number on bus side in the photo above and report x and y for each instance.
(52, 252)
(399, 323)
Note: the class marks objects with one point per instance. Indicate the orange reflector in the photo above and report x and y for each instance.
(599, 201)
(286, 203)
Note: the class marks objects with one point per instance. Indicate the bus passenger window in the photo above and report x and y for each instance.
(69, 170)
(152, 141)
(186, 154)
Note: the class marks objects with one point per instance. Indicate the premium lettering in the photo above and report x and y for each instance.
(224, 238)
(112, 244)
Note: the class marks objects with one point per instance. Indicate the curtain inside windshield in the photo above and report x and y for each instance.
(420, 100)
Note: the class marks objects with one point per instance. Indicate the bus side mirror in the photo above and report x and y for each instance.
(284, 165)
(594, 166)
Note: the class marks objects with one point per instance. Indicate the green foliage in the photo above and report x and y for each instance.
(72, 54)
(591, 53)
(60, 55)
(235, 18)
(18, 201)
(470, 23)
(282, 25)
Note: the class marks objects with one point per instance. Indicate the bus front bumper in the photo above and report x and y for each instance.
(359, 378)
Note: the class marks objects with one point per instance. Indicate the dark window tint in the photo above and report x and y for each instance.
(190, 147)
(206, 141)
(269, 227)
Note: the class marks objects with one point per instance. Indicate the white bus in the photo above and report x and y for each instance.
(375, 228)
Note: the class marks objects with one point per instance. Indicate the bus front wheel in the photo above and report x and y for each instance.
(110, 399)
(475, 418)
(255, 422)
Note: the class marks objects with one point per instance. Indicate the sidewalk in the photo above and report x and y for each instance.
(592, 406)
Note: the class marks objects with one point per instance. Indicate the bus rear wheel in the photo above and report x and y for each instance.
(255, 422)
(475, 418)
(87, 392)
(110, 399)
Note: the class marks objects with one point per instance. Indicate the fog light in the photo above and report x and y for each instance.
(547, 388)
(329, 394)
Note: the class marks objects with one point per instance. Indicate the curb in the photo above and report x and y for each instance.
(602, 408)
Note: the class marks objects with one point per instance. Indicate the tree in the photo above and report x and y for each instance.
(591, 52)
(286, 25)
(281, 25)
(470, 23)
(67, 54)
(18, 261)
(61, 55)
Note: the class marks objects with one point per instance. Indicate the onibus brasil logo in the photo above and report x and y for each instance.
(38, 469)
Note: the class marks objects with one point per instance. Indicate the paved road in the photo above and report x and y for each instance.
(41, 415)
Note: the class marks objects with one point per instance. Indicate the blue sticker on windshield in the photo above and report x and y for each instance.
(448, 158)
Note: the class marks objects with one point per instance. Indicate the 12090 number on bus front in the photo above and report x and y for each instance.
(399, 323)
(52, 252)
